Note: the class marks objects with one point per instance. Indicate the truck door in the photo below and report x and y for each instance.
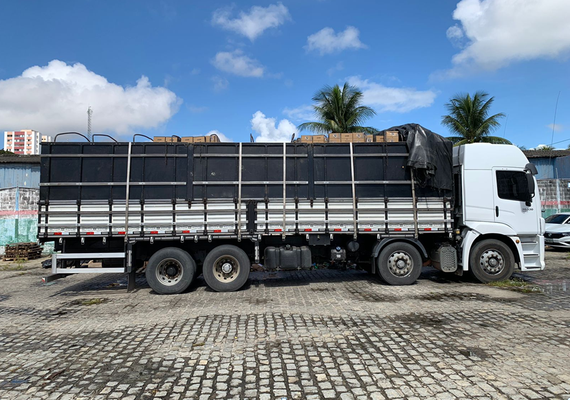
(511, 191)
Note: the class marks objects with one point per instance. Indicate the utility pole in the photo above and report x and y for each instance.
(89, 113)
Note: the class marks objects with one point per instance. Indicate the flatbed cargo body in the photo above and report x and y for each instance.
(197, 191)
(177, 210)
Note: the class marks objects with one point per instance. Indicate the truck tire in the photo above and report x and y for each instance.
(226, 268)
(170, 271)
(491, 260)
(399, 264)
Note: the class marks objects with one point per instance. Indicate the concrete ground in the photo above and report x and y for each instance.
(306, 335)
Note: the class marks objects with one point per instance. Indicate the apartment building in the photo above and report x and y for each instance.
(25, 141)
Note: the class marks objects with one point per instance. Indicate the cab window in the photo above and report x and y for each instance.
(512, 185)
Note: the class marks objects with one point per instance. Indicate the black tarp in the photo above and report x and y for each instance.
(430, 156)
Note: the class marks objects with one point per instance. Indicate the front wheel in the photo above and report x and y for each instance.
(170, 271)
(399, 264)
(226, 268)
(491, 260)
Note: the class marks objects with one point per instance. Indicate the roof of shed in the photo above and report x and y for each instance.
(546, 153)
(12, 159)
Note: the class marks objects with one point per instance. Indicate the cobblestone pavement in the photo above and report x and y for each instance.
(307, 335)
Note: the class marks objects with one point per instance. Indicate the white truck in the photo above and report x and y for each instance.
(180, 209)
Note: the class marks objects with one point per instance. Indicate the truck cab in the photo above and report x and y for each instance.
(497, 211)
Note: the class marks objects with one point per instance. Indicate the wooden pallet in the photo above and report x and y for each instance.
(22, 251)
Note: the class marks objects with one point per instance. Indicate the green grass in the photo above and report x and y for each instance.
(517, 285)
(19, 266)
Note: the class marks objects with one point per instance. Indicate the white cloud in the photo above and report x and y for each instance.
(253, 23)
(302, 113)
(223, 138)
(541, 146)
(326, 41)
(503, 31)
(268, 131)
(196, 109)
(55, 98)
(455, 35)
(384, 98)
(237, 63)
(338, 67)
(555, 127)
(220, 83)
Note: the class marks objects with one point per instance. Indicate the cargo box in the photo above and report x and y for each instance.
(319, 139)
(346, 137)
(199, 139)
(358, 137)
(334, 137)
(379, 137)
(213, 138)
(306, 139)
(392, 136)
(369, 138)
(159, 139)
(188, 139)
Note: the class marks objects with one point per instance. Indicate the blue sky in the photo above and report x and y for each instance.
(190, 67)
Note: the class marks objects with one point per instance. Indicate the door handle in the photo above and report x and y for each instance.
(497, 211)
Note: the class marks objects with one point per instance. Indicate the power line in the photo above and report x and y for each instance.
(554, 122)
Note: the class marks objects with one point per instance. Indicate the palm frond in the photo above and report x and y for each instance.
(339, 109)
(469, 118)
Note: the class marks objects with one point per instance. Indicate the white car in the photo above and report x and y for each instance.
(558, 231)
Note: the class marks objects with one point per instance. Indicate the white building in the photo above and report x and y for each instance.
(25, 141)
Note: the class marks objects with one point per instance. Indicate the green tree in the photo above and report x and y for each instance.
(545, 147)
(5, 152)
(339, 110)
(470, 121)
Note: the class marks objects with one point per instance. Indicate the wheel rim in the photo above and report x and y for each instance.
(492, 261)
(169, 272)
(226, 269)
(400, 264)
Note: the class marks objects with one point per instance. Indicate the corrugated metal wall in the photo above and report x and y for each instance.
(19, 175)
(545, 167)
(552, 168)
(562, 166)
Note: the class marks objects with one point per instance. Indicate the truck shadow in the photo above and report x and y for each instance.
(111, 283)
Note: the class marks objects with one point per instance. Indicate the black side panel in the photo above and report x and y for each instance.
(202, 171)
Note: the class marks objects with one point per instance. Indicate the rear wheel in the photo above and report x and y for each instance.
(226, 268)
(170, 271)
(399, 264)
(491, 260)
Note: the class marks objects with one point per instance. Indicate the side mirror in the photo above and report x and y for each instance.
(530, 167)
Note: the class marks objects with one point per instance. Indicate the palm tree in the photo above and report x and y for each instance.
(339, 110)
(469, 119)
